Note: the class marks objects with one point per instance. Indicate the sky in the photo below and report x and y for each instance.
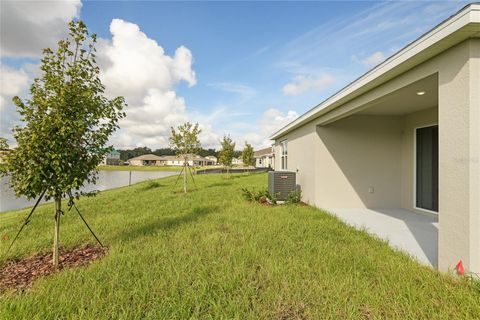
(243, 69)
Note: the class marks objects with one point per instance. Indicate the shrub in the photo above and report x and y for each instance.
(294, 196)
(262, 196)
(152, 185)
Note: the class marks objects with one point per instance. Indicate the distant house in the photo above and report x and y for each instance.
(213, 159)
(154, 160)
(146, 160)
(265, 158)
(112, 158)
(192, 159)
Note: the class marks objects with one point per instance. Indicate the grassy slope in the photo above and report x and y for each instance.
(210, 254)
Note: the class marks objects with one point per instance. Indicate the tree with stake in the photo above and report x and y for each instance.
(226, 154)
(66, 125)
(248, 158)
(186, 143)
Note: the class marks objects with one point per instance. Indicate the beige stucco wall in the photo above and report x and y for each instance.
(338, 162)
(359, 160)
(459, 172)
(302, 145)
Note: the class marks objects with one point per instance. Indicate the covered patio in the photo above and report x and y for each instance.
(413, 233)
(386, 172)
(400, 143)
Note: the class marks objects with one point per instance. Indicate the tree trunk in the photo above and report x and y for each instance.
(58, 210)
(185, 178)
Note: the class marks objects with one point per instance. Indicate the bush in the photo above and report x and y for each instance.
(261, 196)
(294, 196)
(152, 185)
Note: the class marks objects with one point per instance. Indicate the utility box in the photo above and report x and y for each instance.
(281, 184)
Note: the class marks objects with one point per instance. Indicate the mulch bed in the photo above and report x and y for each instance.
(20, 274)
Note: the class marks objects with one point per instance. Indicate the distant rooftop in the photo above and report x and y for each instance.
(263, 152)
(147, 157)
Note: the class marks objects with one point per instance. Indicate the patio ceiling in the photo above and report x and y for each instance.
(417, 96)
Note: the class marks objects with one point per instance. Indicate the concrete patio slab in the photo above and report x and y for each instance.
(414, 233)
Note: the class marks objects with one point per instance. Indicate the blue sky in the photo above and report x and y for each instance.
(244, 68)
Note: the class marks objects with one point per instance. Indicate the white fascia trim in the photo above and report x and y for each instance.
(469, 14)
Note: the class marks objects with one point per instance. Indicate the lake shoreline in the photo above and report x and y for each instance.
(107, 180)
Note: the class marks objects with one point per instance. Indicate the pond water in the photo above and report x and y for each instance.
(106, 180)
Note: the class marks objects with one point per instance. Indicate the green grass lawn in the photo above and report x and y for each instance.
(212, 255)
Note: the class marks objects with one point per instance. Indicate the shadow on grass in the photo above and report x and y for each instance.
(167, 223)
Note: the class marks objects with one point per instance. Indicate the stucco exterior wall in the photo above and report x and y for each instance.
(301, 159)
(459, 134)
(338, 165)
(359, 160)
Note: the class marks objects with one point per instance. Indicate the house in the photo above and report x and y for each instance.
(192, 159)
(404, 136)
(146, 160)
(112, 158)
(212, 159)
(265, 158)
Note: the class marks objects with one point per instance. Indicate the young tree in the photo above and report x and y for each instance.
(185, 142)
(3, 143)
(66, 125)
(227, 151)
(247, 155)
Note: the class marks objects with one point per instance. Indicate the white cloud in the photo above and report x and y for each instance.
(302, 84)
(27, 27)
(132, 63)
(267, 124)
(374, 59)
(137, 67)
(12, 82)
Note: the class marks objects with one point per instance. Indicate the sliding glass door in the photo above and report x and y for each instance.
(427, 168)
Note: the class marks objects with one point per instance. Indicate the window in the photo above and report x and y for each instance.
(284, 155)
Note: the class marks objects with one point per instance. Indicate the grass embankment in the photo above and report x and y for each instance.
(211, 254)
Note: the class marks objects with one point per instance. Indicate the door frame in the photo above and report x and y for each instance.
(415, 167)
